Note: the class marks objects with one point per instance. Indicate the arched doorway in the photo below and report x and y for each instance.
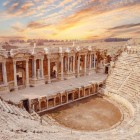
(43, 105)
(64, 98)
(21, 75)
(53, 70)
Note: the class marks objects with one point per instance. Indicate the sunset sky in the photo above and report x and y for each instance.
(69, 19)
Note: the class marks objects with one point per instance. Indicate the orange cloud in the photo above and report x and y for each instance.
(37, 25)
(89, 20)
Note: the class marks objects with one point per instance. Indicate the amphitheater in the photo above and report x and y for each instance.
(67, 76)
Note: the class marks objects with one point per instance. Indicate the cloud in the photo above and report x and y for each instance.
(125, 30)
(90, 11)
(78, 19)
(125, 26)
(18, 27)
(37, 25)
(11, 37)
(16, 8)
(5, 3)
(64, 2)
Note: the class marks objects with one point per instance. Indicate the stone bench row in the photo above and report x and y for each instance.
(14, 110)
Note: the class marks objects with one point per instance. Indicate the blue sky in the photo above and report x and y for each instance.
(69, 19)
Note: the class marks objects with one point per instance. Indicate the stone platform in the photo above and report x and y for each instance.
(53, 88)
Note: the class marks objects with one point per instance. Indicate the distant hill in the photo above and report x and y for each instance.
(116, 39)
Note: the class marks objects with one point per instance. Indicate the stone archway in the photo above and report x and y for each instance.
(81, 63)
(43, 105)
(76, 95)
(53, 70)
(64, 98)
(21, 77)
(57, 100)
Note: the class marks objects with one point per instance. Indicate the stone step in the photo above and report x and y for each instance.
(8, 107)
(4, 107)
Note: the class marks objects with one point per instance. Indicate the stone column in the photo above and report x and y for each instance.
(62, 72)
(89, 90)
(94, 61)
(68, 64)
(90, 62)
(4, 73)
(27, 73)
(78, 66)
(67, 99)
(34, 68)
(15, 75)
(94, 88)
(49, 75)
(60, 98)
(39, 100)
(74, 64)
(42, 68)
(85, 65)
(30, 109)
(65, 64)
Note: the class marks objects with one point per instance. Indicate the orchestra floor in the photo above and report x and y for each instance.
(93, 113)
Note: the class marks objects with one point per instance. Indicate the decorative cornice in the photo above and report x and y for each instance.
(4, 53)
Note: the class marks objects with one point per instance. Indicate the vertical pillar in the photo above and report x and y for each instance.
(65, 64)
(68, 65)
(74, 64)
(94, 87)
(90, 62)
(42, 68)
(73, 95)
(60, 98)
(78, 66)
(49, 75)
(15, 75)
(27, 73)
(94, 61)
(34, 68)
(30, 107)
(85, 65)
(39, 100)
(89, 90)
(62, 72)
(4, 73)
(67, 97)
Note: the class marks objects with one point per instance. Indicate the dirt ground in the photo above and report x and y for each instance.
(93, 113)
